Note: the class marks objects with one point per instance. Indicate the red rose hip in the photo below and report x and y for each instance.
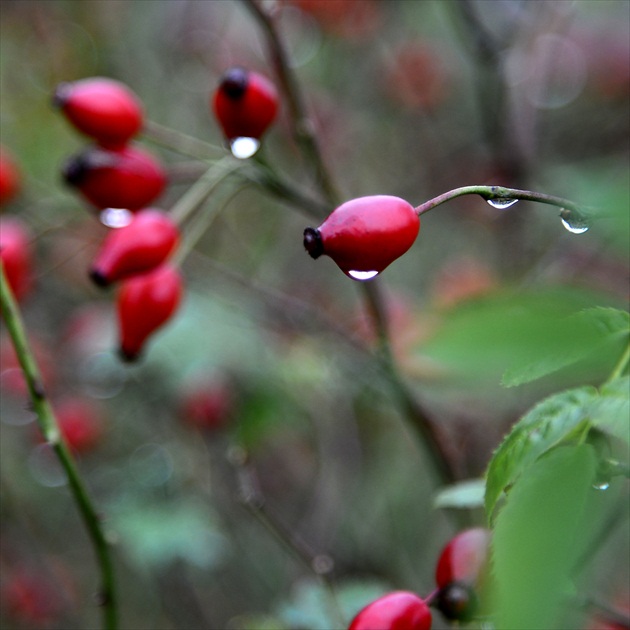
(80, 423)
(136, 248)
(365, 235)
(9, 177)
(245, 103)
(128, 178)
(101, 108)
(145, 303)
(400, 610)
(464, 558)
(15, 253)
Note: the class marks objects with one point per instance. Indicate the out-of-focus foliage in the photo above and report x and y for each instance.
(408, 99)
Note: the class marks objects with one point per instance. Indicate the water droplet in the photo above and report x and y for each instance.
(601, 485)
(116, 217)
(362, 275)
(102, 375)
(501, 203)
(151, 465)
(573, 222)
(243, 148)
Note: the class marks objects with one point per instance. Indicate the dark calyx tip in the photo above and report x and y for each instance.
(75, 170)
(99, 278)
(457, 601)
(61, 95)
(234, 82)
(128, 356)
(313, 242)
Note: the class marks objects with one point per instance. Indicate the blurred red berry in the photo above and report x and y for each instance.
(400, 610)
(128, 178)
(9, 177)
(80, 422)
(207, 404)
(464, 558)
(140, 246)
(15, 253)
(245, 103)
(365, 235)
(145, 303)
(101, 108)
(30, 599)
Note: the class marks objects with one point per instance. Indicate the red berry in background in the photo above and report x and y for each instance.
(245, 103)
(464, 558)
(9, 177)
(15, 253)
(207, 404)
(128, 178)
(101, 108)
(80, 423)
(400, 610)
(136, 248)
(365, 235)
(145, 303)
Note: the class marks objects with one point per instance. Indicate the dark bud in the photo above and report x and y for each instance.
(234, 82)
(313, 242)
(457, 601)
(98, 278)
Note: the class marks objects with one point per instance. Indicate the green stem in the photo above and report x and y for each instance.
(499, 193)
(301, 125)
(622, 365)
(202, 188)
(50, 430)
(180, 142)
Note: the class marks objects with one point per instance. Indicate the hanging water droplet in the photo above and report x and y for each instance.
(116, 217)
(601, 485)
(574, 222)
(243, 148)
(45, 467)
(501, 203)
(362, 275)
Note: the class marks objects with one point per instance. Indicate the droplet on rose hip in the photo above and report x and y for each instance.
(243, 148)
(116, 217)
(574, 222)
(501, 204)
(362, 276)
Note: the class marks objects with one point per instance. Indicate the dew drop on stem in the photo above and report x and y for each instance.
(501, 203)
(573, 222)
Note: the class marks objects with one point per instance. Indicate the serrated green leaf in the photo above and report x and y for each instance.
(538, 539)
(542, 428)
(479, 340)
(573, 339)
(610, 411)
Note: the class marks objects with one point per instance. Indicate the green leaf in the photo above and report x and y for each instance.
(610, 411)
(548, 424)
(481, 339)
(573, 339)
(538, 538)
(466, 494)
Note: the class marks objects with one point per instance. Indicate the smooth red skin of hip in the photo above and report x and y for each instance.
(400, 610)
(369, 233)
(127, 178)
(139, 247)
(250, 114)
(145, 303)
(15, 253)
(101, 108)
(464, 558)
(9, 177)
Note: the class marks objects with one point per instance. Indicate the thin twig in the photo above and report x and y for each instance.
(50, 430)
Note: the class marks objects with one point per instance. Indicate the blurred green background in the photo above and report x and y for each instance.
(409, 99)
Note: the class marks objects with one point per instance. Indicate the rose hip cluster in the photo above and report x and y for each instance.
(113, 173)
(459, 575)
